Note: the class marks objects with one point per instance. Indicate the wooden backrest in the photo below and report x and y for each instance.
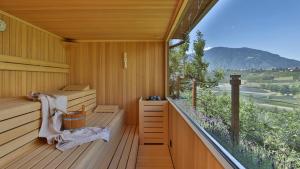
(20, 120)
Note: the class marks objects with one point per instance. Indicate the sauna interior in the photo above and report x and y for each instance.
(119, 48)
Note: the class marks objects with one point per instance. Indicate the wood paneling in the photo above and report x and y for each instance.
(98, 19)
(41, 64)
(101, 65)
(187, 150)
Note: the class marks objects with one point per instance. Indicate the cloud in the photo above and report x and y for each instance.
(207, 48)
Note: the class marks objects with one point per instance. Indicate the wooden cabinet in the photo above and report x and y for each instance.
(153, 122)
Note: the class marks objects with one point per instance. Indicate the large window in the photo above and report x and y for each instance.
(258, 40)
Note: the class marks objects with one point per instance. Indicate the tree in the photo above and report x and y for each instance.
(177, 62)
(197, 68)
(183, 69)
(295, 89)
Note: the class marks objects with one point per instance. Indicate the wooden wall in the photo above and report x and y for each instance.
(187, 150)
(34, 47)
(100, 64)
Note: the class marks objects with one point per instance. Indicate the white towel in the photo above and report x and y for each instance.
(52, 123)
(69, 139)
(51, 119)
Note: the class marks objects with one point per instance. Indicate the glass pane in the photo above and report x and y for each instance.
(258, 40)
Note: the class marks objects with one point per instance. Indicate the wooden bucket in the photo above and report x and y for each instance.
(74, 120)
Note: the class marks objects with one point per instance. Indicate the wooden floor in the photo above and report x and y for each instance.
(154, 157)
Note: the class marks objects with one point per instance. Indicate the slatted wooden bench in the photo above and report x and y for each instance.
(21, 148)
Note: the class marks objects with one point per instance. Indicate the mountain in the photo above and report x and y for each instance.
(245, 58)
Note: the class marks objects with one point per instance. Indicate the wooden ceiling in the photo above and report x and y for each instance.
(195, 10)
(98, 19)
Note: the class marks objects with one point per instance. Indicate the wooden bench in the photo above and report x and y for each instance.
(21, 148)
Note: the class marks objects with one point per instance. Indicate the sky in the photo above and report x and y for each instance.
(270, 25)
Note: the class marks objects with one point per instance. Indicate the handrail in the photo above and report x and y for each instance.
(221, 154)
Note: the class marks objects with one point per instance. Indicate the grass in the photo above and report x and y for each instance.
(253, 81)
(286, 78)
(281, 101)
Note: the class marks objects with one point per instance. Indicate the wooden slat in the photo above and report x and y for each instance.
(70, 159)
(154, 103)
(74, 94)
(153, 130)
(19, 162)
(25, 61)
(109, 152)
(20, 120)
(153, 135)
(46, 160)
(92, 107)
(106, 155)
(166, 124)
(79, 106)
(80, 100)
(153, 119)
(37, 158)
(14, 107)
(60, 158)
(19, 131)
(11, 157)
(153, 114)
(30, 68)
(158, 108)
(153, 124)
(127, 148)
(133, 153)
(15, 144)
(117, 156)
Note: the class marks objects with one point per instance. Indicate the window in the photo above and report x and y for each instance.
(259, 41)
